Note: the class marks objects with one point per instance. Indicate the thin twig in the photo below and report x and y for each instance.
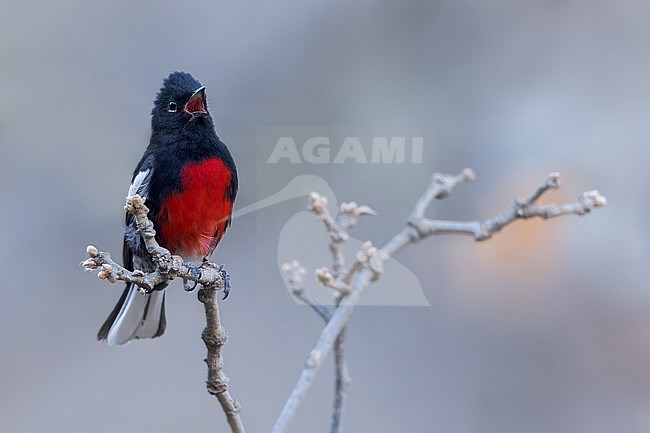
(342, 380)
(295, 274)
(417, 229)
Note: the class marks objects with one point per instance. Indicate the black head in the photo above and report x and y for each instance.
(180, 102)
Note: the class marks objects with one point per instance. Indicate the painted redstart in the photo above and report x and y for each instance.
(189, 181)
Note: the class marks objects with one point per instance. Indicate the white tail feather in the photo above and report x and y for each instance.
(130, 322)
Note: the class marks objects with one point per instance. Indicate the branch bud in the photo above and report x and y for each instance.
(347, 207)
(369, 248)
(318, 204)
(323, 275)
(468, 174)
(89, 264)
(361, 257)
(366, 210)
(294, 272)
(595, 198)
(133, 203)
(92, 251)
(553, 180)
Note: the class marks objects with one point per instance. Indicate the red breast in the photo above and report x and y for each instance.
(190, 217)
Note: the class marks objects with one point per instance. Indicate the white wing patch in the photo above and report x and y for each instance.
(140, 184)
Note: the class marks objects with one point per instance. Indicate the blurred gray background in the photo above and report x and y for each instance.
(545, 328)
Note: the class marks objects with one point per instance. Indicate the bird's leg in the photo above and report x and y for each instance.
(226, 281)
(196, 274)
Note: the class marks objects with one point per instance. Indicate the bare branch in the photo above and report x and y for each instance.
(441, 186)
(416, 229)
(295, 274)
(339, 280)
(419, 227)
(212, 277)
(552, 181)
(214, 337)
(519, 209)
(318, 205)
(321, 349)
(341, 382)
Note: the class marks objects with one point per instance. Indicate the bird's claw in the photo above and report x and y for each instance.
(196, 274)
(226, 281)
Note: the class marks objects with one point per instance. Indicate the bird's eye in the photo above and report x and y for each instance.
(172, 107)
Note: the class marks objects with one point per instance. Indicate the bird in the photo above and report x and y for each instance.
(189, 182)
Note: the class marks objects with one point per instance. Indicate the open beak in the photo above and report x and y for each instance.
(196, 104)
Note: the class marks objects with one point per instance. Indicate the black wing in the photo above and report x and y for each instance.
(139, 185)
